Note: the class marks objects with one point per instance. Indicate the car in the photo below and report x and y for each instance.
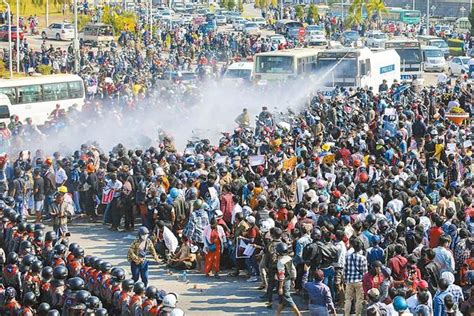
(295, 31)
(443, 28)
(179, 7)
(251, 28)
(221, 20)
(202, 11)
(278, 39)
(457, 64)
(4, 33)
(187, 18)
(261, 22)
(231, 16)
(208, 27)
(314, 27)
(349, 37)
(315, 38)
(59, 31)
(239, 24)
(375, 39)
(165, 16)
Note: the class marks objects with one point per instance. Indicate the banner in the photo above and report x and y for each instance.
(243, 248)
(107, 195)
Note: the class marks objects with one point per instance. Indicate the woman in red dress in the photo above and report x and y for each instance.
(213, 247)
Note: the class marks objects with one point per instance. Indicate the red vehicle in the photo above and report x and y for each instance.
(4, 33)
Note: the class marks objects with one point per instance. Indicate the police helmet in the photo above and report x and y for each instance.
(139, 288)
(105, 267)
(47, 273)
(101, 312)
(151, 291)
(82, 296)
(119, 274)
(12, 258)
(75, 284)
(128, 285)
(36, 266)
(93, 303)
(29, 299)
(281, 248)
(53, 312)
(60, 272)
(43, 309)
(50, 236)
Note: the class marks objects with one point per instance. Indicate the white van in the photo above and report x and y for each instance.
(433, 58)
(5, 106)
(241, 71)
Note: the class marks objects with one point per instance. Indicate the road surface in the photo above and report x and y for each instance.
(201, 296)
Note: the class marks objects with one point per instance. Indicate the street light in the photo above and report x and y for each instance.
(462, 11)
(17, 36)
(10, 61)
(76, 40)
(407, 6)
(413, 5)
(433, 8)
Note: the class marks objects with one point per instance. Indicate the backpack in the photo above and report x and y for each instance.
(310, 252)
(272, 256)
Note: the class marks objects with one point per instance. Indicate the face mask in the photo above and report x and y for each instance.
(144, 237)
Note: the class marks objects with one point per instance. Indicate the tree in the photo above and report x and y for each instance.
(355, 13)
(471, 20)
(230, 5)
(313, 13)
(299, 11)
(240, 6)
(223, 3)
(377, 6)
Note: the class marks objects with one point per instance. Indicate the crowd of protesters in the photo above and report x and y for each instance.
(359, 203)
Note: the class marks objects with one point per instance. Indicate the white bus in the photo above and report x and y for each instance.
(36, 97)
(462, 25)
(285, 64)
(357, 67)
(411, 59)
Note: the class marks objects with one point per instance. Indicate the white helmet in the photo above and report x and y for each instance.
(169, 301)
(177, 312)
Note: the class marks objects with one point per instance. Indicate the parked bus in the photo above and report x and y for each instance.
(357, 67)
(36, 97)
(410, 57)
(462, 25)
(343, 8)
(402, 15)
(284, 64)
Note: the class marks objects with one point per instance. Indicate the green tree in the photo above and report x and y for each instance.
(230, 5)
(471, 20)
(299, 11)
(377, 7)
(313, 13)
(240, 6)
(223, 3)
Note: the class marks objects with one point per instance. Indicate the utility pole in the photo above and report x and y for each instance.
(10, 52)
(76, 40)
(427, 17)
(47, 13)
(17, 36)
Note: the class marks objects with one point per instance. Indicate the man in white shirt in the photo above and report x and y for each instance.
(113, 213)
(60, 176)
(301, 185)
(413, 302)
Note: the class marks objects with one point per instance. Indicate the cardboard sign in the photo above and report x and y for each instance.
(256, 160)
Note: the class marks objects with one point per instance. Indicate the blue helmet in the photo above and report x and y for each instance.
(190, 161)
(399, 304)
(174, 193)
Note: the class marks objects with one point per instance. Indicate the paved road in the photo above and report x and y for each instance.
(201, 296)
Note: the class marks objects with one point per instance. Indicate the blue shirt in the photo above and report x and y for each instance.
(438, 304)
(300, 244)
(318, 292)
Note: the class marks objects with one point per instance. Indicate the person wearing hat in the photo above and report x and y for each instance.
(320, 299)
(91, 188)
(59, 211)
(374, 304)
(422, 296)
(137, 255)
